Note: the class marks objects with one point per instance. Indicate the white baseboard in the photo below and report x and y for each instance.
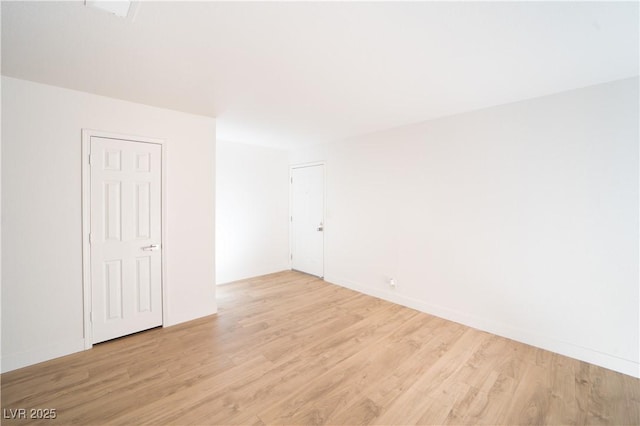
(40, 354)
(260, 273)
(180, 317)
(611, 362)
(45, 353)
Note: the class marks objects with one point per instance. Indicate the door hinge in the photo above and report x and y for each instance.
(90, 238)
(291, 218)
(291, 256)
(89, 159)
(291, 180)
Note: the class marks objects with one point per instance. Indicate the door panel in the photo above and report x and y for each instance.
(126, 257)
(307, 219)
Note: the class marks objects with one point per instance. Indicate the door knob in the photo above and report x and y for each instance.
(321, 227)
(152, 247)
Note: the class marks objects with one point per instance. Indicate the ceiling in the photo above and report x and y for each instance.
(283, 74)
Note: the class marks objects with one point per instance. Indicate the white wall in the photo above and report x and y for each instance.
(42, 304)
(252, 197)
(521, 220)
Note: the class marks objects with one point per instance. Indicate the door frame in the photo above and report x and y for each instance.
(324, 210)
(87, 134)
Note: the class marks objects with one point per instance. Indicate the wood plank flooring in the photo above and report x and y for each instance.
(288, 348)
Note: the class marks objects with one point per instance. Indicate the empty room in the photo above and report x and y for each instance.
(338, 213)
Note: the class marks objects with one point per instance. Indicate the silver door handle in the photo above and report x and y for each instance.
(152, 247)
(321, 227)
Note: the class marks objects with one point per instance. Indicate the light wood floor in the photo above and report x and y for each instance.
(291, 349)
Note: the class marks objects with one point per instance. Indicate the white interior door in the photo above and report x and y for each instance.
(307, 219)
(125, 236)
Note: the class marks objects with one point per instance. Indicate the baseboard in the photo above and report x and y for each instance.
(253, 277)
(40, 354)
(179, 318)
(45, 353)
(245, 277)
(621, 365)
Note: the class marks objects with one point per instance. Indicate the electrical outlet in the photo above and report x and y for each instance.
(392, 282)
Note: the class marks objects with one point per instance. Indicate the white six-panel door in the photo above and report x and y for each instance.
(125, 237)
(307, 219)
